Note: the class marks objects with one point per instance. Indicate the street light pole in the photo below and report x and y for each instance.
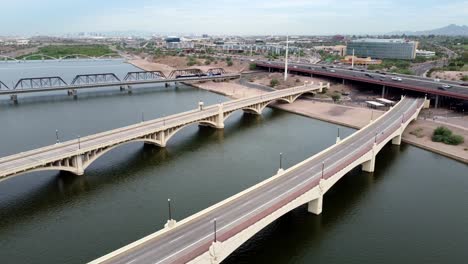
(281, 161)
(323, 168)
(56, 135)
(169, 207)
(286, 60)
(214, 230)
(79, 142)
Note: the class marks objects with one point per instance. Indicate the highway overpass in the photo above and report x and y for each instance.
(408, 82)
(213, 234)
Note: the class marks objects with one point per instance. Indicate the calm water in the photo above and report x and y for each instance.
(413, 209)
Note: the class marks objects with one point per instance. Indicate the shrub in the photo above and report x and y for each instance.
(230, 63)
(252, 66)
(336, 97)
(445, 135)
(207, 62)
(274, 82)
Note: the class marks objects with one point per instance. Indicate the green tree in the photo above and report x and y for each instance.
(274, 82)
(336, 97)
(252, 66)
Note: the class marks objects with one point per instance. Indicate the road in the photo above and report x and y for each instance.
(193, 238)
(409, 82)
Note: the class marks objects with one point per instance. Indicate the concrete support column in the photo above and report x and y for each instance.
(315, 206)
(328, 86)
(14, 98)
(383, 91)
(397, 140)
(220, 118)
(369, 166)
(436, 104)
(427, 103)
(79, 165)
(343, 81)
(320, 87)
(162, 137)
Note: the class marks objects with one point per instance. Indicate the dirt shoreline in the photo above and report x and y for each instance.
(353, 117)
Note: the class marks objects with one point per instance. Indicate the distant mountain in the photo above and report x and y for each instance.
(450, 30)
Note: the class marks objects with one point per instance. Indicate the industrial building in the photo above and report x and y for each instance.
(383, 48)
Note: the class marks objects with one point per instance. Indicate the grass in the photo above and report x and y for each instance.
(59, 51)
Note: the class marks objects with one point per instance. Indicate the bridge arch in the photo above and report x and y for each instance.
(76, 56)
(8, 58)
(38, 55)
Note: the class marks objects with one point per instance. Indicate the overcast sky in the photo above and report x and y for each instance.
(246, 17)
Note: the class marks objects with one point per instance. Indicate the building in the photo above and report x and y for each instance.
(425, 53)
(383, 48)
(360, 61)
(339, 50)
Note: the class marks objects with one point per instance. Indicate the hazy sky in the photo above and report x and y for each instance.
(20, 17)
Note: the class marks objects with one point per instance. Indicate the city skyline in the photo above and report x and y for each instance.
(242, 17)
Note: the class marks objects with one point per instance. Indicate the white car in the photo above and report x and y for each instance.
(436, 80)
(332, 70)
(398, 79)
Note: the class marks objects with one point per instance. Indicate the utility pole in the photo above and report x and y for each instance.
(169, 207)
(286, 60)
(281, 161)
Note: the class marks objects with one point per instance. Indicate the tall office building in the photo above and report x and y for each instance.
(383, 48)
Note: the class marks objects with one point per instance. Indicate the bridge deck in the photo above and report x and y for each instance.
(193, 236)
(110, 84)
(25, 161)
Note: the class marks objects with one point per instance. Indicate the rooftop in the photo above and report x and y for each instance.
(383, 40)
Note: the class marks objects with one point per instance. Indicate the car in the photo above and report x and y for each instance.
(464, 84)
(397, 79)
(351, 69)
(294, 66)
(436, 80)
(368, 75)
(383, 73)
(363, 70)
(445, 86)
(332, 71)
(323, 67)
(441, 88)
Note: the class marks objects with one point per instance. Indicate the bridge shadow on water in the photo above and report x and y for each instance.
(37, 193)
(299, 233)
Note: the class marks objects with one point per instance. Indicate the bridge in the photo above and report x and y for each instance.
(96, 80)
(407, 82)
(213, 234)
(76, 155)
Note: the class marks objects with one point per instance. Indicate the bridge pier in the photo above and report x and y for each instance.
(383, 91)
(315, 206)
(166, 85)
(122, 87)
(72, 92)
(129, 88)
(220, 118)
(397, 140)
(78, 164)
(436, 103)
(14, 98)
(369, 166)
(343, 81)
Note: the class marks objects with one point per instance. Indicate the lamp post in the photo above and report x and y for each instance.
(214, 230)
(281, 161)
(57, 136)
(323, 168)
(79, 142)
(169, 208)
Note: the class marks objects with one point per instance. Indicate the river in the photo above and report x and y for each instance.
(413, 209)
